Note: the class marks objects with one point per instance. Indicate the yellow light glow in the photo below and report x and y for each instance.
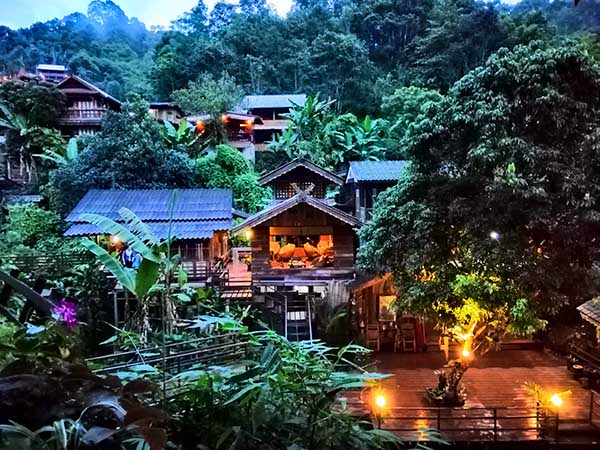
(380, 401)
(224, 118)
(115, 239)
(466, 353)
(248, 234)
(556, 400)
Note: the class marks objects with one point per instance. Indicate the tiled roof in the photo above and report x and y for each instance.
(178, 229)
(590, 311)
(155, 204)
(376, 170)
(275, 209)
(272, 101)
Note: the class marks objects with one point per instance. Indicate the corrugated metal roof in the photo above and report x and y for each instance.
(376, 170)
(590, 311)
(179, 229)
(155, 204)
(272, 101)
(56, 67)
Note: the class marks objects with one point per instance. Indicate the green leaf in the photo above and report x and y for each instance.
(146, 277)
(126, 277)
(111, 227)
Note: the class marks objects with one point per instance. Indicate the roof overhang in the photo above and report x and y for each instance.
(300, 162)
(590, 311)
(302, 197)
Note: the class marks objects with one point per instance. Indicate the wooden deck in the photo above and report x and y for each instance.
(496, 396)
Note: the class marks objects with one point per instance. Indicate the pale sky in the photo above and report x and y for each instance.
(23, 13)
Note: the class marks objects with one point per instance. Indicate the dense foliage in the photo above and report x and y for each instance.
(338, 48)
(129, 153)
(227, 168)
(497, 221)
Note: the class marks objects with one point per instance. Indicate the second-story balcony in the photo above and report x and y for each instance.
(83, 116)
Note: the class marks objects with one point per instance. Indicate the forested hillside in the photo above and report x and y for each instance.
(355, 51)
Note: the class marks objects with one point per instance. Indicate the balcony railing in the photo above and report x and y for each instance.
(83, 115)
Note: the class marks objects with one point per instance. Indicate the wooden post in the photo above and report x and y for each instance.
(495, 424)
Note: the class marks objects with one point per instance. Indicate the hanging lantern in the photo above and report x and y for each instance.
(200, 127)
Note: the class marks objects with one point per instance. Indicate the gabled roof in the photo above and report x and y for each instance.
(361, 171)
(272, 101)
(63, 86)
(155, 204)
(300, 162)
(302, 197)
(195, 213)
(590, 311)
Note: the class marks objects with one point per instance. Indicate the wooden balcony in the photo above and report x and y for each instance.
(83, 116)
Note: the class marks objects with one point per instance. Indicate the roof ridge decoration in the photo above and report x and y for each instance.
(300, 162)
(301, 197)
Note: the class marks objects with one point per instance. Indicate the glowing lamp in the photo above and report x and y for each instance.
(466, 353)
(199, 126)
(248, 234)
(380, 401)
(224, 118)
(115, 239)
(494, 235)
(556, 400)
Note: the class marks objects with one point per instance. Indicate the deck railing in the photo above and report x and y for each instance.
(472, 424)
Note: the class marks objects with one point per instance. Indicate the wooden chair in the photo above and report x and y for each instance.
(373, 336)
(408, 336)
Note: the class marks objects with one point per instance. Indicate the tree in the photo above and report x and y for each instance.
(340, 69)
(253, 7)
(405, 108)
(195, 21)
(228, 169)
(128, 153)
(221, 16)
(461, 35)
(496, 224)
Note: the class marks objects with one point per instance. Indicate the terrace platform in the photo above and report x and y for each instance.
(498, 407)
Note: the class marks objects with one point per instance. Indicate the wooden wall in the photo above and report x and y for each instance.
(282, 187)
(303, 215)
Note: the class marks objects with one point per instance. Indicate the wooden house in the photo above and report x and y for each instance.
(53, 73)
(86, 106)
(165, 111)
(300, 174)
(271, 109)
(301, 241)
(367, 179)
(198, 219)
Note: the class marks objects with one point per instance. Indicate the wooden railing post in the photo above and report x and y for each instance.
(591, 411)
(495, 424)
(439, 419)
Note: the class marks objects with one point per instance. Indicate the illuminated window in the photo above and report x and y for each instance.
(297, 250)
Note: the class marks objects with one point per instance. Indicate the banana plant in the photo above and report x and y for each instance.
(70, 154)
(182, 135)
(140, 238)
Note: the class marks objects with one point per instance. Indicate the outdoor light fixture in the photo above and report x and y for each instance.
(115, 239)
(380, 401)
(248, 234)
(494, 235)
(556, 400)
(224, 118)
(466, 353)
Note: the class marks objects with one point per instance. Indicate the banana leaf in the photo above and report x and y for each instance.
(126, 277)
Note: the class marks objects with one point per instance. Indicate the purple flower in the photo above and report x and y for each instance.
(66, 312)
